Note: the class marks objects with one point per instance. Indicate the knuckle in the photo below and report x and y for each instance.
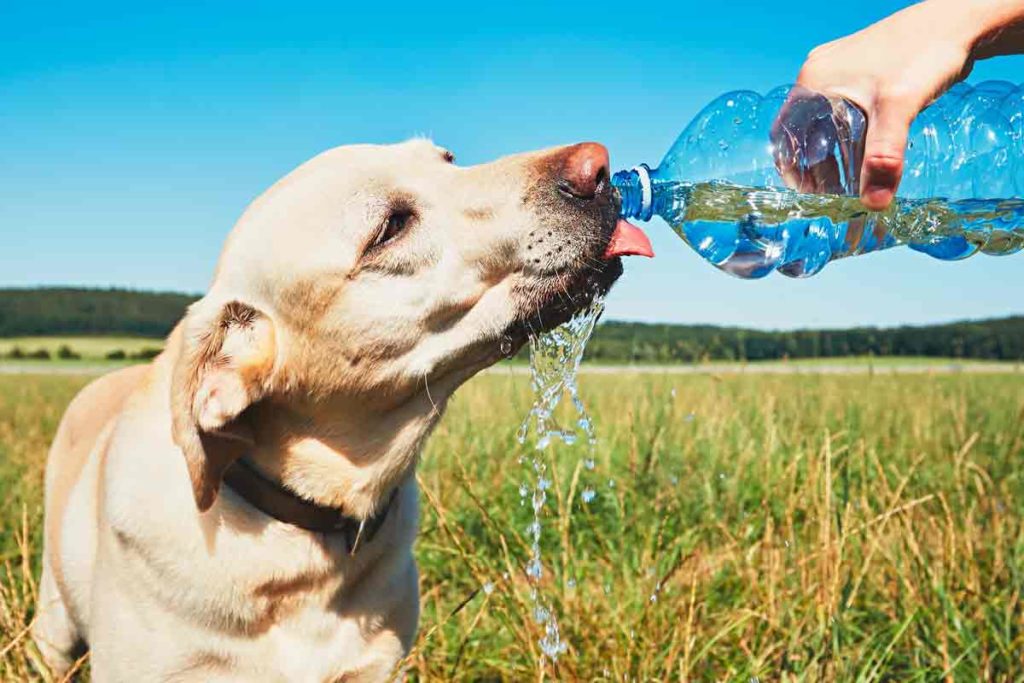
(809, 75)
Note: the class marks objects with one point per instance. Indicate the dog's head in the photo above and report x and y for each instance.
(370, 282)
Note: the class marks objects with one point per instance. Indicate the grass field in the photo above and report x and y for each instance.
(806, 527)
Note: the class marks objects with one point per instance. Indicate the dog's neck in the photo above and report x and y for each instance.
(340, 455)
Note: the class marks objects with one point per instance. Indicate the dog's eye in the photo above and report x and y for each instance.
(398, 220)
(448, 157)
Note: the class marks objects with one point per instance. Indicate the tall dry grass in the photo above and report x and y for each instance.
(30, 409)
(779, 528)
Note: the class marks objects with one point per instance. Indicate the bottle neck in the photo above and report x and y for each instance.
(635, 192)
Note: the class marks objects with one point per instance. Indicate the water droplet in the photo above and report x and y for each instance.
(588, 495)
(723, 145)
(571, 583)
(551, 644)
(524, 490)
(506, 346)
(737, 120)
(534, 570)
(674, 479)
(589, 463)
(673, 392)
(611, 483)
(488, 588)
(721, 476)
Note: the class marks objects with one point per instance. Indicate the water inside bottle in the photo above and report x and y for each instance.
(751, 231)
(554, 364)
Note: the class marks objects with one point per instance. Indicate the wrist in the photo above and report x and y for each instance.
(966, 22)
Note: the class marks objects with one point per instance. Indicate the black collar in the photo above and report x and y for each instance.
(285, 506)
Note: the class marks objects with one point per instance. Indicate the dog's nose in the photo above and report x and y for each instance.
(584, 170)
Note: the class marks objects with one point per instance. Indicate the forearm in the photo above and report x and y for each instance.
(994, 27)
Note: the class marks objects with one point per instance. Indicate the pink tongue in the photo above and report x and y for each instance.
(628, 240)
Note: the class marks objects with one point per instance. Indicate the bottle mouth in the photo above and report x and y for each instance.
(635, 192)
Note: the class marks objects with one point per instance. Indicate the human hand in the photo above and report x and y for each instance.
(896, 67)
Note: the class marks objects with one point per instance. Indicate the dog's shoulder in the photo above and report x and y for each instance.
(95, 405)
(85, 419)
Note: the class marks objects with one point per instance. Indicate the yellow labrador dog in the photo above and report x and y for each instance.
(244, 509)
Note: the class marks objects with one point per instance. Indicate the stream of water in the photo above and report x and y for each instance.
(554, 363)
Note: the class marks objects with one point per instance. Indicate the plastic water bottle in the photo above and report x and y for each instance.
(756, 184)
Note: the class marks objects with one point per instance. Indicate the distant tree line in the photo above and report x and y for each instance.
(70, 311)
(999, 339)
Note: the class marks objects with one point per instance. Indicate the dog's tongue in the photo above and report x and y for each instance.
(628, 240)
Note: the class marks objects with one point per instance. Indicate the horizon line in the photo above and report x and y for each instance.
(940, 323)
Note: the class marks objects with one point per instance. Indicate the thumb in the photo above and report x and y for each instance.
(885, 145)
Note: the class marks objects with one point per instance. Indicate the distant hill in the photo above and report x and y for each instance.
(75, 311)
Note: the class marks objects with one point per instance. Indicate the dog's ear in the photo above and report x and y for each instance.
(225, 364)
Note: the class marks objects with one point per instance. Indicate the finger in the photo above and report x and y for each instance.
(884, 147)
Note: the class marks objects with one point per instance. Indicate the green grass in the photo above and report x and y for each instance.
(90, 348)
(810, 527)
(890, 361)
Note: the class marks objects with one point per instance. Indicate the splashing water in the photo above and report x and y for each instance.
(554, 363)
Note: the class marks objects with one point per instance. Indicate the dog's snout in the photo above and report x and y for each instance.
(584, 170)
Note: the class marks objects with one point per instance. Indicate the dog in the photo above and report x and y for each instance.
(244, 508)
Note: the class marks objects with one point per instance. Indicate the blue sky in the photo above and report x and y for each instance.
(133, 134)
